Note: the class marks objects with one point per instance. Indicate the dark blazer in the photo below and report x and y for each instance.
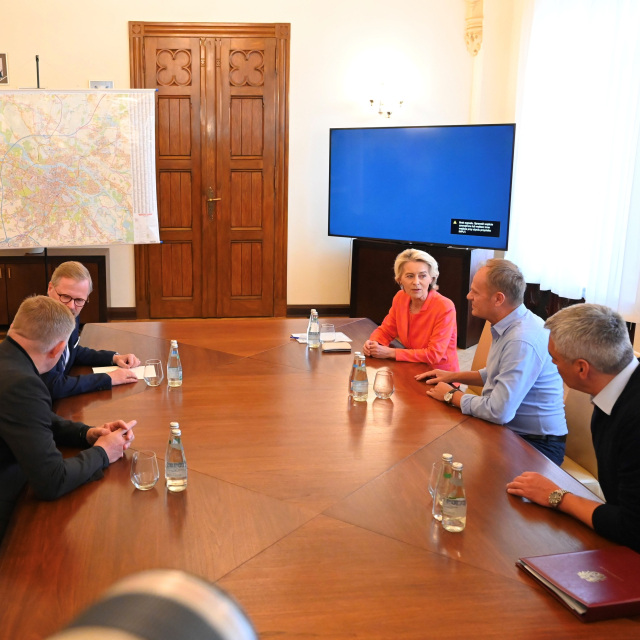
(616, 439)
(62, 385)
(29, 432)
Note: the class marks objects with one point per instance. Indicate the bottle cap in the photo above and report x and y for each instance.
(357, 353)
(447, 457)
(174, 425)
(314, 311)
(457, 466)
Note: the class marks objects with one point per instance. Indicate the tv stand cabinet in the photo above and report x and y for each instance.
(373, 284)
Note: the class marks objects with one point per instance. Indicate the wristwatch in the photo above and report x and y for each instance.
(448, 397)
(113, 356)
(555, 497)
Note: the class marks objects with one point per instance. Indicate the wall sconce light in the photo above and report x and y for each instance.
(385, 107)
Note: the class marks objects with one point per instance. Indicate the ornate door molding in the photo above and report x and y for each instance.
(175, 72)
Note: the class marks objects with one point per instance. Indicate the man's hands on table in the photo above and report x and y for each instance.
(114, 437)
(126, 361)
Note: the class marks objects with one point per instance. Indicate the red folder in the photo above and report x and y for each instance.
(593, 585)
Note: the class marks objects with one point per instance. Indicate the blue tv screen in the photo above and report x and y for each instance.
(436, 185)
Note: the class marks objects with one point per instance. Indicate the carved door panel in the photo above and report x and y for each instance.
(172, 66)
(245, 175)
(221, 151)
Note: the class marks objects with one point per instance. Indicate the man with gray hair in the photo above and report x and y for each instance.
(590, 345)
(71, 285)
(521, 386)
(29, 430)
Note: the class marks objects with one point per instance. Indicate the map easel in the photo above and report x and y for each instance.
(46, 255)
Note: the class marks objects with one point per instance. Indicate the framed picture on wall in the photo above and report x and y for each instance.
(4, 69)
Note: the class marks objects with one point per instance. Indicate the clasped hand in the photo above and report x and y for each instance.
(114, 437)
(376, 350)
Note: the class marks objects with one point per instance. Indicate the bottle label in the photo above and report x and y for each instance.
(175, 469)
(360, 386)
(454, 507)
(174, 373)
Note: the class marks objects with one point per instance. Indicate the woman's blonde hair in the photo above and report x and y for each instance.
(415, 255)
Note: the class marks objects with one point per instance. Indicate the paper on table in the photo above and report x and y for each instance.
(302, 337)
(139, 371)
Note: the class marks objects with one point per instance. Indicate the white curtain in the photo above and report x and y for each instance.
(575, 225)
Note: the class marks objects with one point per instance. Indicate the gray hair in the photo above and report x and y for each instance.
(44, 321)
(505, 277)
(415, 255)
(594, 333)
(72, 270)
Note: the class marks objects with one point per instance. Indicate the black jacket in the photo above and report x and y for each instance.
(29, 432)
(62, 385)
(616, 439)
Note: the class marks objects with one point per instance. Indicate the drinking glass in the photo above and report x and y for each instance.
(327, 333)
(383, 384)
(435, 474)
(144, 470)
(153, 374)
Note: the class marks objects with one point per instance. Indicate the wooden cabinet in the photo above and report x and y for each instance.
(23, 280)
(24, 276)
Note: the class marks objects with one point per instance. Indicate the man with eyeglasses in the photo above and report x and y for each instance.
(71, 285)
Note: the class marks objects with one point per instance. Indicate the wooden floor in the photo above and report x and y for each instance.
(310, 509)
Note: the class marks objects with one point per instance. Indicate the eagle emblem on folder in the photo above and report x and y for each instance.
(592, 576)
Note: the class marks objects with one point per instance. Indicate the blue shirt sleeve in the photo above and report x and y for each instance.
(520, 367)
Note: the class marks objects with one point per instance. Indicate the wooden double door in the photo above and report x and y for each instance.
(221, 161)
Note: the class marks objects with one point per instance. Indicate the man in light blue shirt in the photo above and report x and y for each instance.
(522, 388)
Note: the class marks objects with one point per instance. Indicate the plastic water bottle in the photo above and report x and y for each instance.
(175, 464)
(352, 374)
(454, 504)
(313, 331)
(174, 368)
(442, 486)
(360, 384)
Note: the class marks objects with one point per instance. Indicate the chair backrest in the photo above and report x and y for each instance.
(480, 356)
(578, 410)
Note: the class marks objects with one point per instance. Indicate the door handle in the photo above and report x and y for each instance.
(210, 201)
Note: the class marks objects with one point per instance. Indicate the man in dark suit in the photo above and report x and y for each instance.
(71, 285)
(590, 345)
(29, 430)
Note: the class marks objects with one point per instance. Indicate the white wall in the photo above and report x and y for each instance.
(340, 51)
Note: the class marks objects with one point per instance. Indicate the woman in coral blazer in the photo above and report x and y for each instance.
(420, 318)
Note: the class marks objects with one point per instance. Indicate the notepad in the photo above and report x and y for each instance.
(139, 371)
(336, 346)
(302, 337)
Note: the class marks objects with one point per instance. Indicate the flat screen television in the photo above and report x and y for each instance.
(447, 185)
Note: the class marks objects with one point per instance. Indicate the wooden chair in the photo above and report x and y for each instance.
(480, 356)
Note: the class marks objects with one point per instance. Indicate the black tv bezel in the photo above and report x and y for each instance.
(424, 242)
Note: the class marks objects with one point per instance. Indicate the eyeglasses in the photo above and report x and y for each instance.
(65, 299)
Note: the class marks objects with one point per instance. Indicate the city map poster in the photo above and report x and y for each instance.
(77, 168)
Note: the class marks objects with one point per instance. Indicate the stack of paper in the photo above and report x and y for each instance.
(302, 337)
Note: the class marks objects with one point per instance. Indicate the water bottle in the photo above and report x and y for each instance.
(352, 375)
(454, 504)
(442, 486)
(313, 331)
(174, 368)
(175, 464)
(360, 384)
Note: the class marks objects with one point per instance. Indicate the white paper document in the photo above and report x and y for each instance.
(302, 337)
(139, 371)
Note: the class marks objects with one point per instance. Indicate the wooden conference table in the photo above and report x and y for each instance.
(313, 512)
